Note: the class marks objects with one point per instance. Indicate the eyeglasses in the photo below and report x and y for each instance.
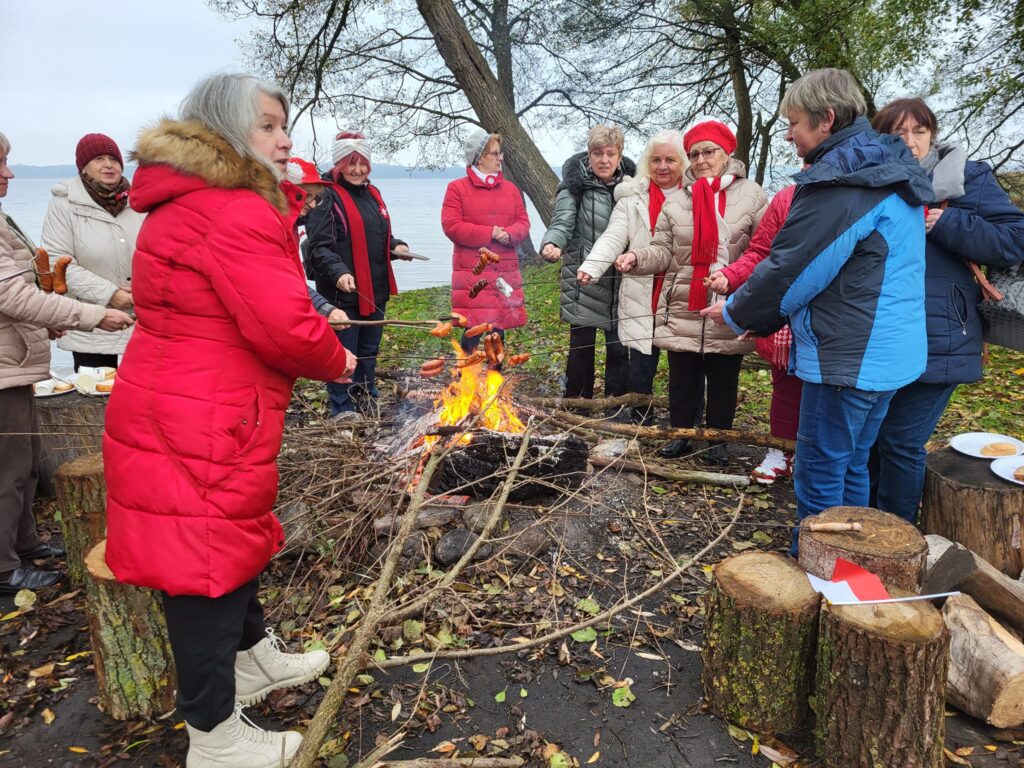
(496, 154)
(705, 154)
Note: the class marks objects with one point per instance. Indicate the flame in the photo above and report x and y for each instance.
(475, 390)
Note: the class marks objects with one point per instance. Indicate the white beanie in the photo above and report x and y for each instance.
(345, 143)
(475, 144)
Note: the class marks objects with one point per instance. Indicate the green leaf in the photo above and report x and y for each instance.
(500, 696)
(658, 490)
(523, 693)
(739, 546)
(412, 630)
(421, 667)
(25, 598)
(761, 537)
(364, 679)
(588, 606)
(379, 655)
(559, 760)
(586, 635)
(623, 697)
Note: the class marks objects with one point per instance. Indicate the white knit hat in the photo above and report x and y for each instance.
(345, 143)
(475, 144)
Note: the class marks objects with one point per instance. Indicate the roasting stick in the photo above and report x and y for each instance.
(831, 527)
(405, 323)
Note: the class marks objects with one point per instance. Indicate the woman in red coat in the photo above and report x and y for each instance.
(483, 210)
(194, 424)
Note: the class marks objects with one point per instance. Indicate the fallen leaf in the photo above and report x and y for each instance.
(396, 711)
(738, 733)
(559, 760)
(954, 759)
(25, 598)
(523, 693)
(78, 750)
(550, 750)
(44, 671)
(588, 605)
(421, 667)
(444, 748)
(585, 635)
(563, 653)
(659, 490)
(500, 696)
(48, 716)
(593, 758)
(623, 697)
(650, 656)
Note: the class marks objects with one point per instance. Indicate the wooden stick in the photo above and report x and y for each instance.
(453, 762)
(676, 475)
(832, 527)
(596, 404)
(407, 323)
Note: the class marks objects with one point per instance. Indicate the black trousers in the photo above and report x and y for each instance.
(206, 633)
(19, 472)
(579, 368)
(642, 369)
(686, 374)
(93, 360)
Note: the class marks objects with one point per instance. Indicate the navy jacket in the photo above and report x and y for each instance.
(847, 269)
(981, 225)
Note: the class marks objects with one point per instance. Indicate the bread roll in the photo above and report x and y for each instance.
(1018, 473)
(105, 386)
(999, 449)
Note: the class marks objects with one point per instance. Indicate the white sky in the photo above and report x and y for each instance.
(71, 67)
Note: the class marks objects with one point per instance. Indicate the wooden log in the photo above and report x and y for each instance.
(994, 591)
(131, 653)
(886, 545)
(759, 642)
(670, 473)
(881, 686)
(70, 426)
(986, 668)
(966, 503)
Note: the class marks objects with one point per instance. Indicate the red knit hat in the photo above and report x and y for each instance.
(303, 172)
(92, 145)
(713, 131)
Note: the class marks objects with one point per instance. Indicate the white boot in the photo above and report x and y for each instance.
(266, 667)
(237, 743)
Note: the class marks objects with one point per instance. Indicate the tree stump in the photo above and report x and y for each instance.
(131, 653)
(71, 426)
(986, 668)
(965, 502)
(881, 686)
(759, 642)
(886, 545)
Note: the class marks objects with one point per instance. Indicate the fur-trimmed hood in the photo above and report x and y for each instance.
(201, 159)
(576, 173)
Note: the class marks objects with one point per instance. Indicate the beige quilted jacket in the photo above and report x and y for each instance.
(676, 327)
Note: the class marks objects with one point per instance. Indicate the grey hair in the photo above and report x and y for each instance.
(605, 136)
(229, 105)
(821, 90)
(671, 137)
(5, 145)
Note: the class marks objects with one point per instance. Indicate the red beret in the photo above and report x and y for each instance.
(92, 145)
(713, 131)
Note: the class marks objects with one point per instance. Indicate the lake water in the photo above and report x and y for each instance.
(414, 204)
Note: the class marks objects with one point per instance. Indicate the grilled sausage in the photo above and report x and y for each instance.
(43, 273)
(60, 275)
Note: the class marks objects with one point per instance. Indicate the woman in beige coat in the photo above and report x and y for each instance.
(89, 219)
(703, 227)
(29, 318)
(637, 207)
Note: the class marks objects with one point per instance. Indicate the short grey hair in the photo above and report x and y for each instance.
(229, 105)
(821, 90)
(674, 139)
(605, 136)
(5, 145)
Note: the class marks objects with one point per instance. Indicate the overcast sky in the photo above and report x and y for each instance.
(72, 67)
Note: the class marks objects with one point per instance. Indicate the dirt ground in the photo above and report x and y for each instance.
(611, 540)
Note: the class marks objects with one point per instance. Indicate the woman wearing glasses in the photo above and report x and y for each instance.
(702, 228)
(484, 210)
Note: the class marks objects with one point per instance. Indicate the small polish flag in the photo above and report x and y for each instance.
(850, 584)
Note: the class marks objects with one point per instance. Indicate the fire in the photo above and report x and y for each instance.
(477, 390)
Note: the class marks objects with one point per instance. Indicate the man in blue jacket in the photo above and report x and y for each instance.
(847, 272)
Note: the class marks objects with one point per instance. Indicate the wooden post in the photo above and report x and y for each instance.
(965, 502)
(881, 686)
(131, 653)
(71, 426)
(759, 642)
(886, 545)
(986, 668)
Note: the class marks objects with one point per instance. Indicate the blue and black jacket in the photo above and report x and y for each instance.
(847, 269)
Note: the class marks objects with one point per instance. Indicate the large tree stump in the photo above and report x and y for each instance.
(131, 653)
(881, 686)
(759, 642)
(965, 502)
(986, 668)
(886, 545)
(71, 426)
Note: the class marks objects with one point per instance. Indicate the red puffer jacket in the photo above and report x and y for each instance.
(225, 326)
(471, 210)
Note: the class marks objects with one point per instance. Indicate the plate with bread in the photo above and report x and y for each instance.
(94, 381)
(987, 445)
(1010, 468)
(52, 387)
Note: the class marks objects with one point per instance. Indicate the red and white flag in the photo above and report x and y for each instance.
(850, 584)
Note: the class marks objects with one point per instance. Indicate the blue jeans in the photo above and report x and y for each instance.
(363, 341)
(838, 426)
(897, 458)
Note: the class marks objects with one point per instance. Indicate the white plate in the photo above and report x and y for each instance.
(971, 443)
(1005, 466)
(50, 382)
(86, 384)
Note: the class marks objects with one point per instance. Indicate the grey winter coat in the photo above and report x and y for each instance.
(583, 207)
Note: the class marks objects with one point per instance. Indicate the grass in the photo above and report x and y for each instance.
(993, 404)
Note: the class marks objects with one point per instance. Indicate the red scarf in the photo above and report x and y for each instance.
(705, 237)
(655, 200)
(360, 252)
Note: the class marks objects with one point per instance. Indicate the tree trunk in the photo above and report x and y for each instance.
(886, 545)
(759, 642)
(986, 667)
(470, 69)
(741, 94)
(71, 426)
(134, 665)
(881, 686)
(966, 503)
